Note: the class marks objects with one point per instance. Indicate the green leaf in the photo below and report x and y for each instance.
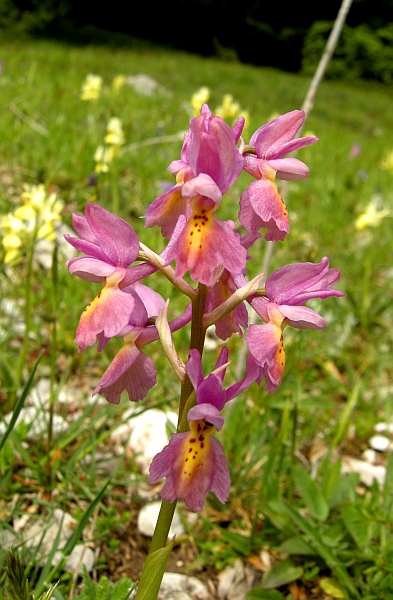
(357, 524)
(276, 512)
(240, 543)
(345, 490)
(259, 593)
(282, 573)
(331, 474)
(324, 551)
(20, 403)
(331, 587)
(296, 545)
(153, 572)
(311, 494)
(346, 415)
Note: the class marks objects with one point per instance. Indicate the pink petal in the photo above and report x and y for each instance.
(270, 138)
(116, 237)
(265, 343)
(296, 283)
(213, 150)
(83, 229)
(194, 368)
(166, 209)
(262, 206)
(206, 412)
(302, 317)
(289, 169)
(109, 313)
(88, 248)
(130, 370)
(203, 185)
(90, 269)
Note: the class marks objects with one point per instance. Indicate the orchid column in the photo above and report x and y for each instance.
(214, 255)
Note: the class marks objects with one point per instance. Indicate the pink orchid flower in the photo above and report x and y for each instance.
(286, 290)
(261, 204)
(110, 245)
(131, 369)
(205, 243)
(194, 462)
(209, 148)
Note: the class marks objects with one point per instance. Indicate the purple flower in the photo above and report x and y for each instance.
(131, 369)
(210, 149)
(194, 462)
(286, 290)
(110, 246)
(206, 243)
(261, 204)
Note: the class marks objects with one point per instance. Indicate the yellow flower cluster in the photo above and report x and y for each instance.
(387, 163)
(118, 82)
(200, 97)
(229, 110)
(91, 87)
(34, 220)
(113, 140)
(372, 215)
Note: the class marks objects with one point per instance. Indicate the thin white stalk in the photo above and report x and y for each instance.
(307, 106)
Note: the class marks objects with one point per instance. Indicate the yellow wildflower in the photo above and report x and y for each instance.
(115, 135)
(371, 216)
(118, 82)
(228, 109)
(103, 157)
(387, 163)
(200, 97)
(33, 221)
(91, 87)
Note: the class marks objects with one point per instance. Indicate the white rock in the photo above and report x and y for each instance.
(367, 472)
(146, 434)
(41, 536)
(380, 443)
(80, 556)
(370, 456)
(174, 584)
(40, 394)
(384, 427)
(145, 85)
(147, 519)
(36, 420)
(235, 581)
(43, 251)
(380, 427)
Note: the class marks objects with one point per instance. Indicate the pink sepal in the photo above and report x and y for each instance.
(108, 313)
(131, 370)
(262, 206)
(90, 269)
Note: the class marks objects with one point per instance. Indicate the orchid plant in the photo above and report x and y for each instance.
(215, 255)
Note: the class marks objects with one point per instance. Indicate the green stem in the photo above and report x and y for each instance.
(49, 473)
(198, 332)
(23, 352)
(163, 526)
(115, 187)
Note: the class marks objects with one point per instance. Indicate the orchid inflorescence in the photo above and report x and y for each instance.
(215, 255)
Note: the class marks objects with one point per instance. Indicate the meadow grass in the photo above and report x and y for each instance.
(48, 135)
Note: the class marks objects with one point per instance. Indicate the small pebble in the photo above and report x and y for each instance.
(380, 443)
(147, 520)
